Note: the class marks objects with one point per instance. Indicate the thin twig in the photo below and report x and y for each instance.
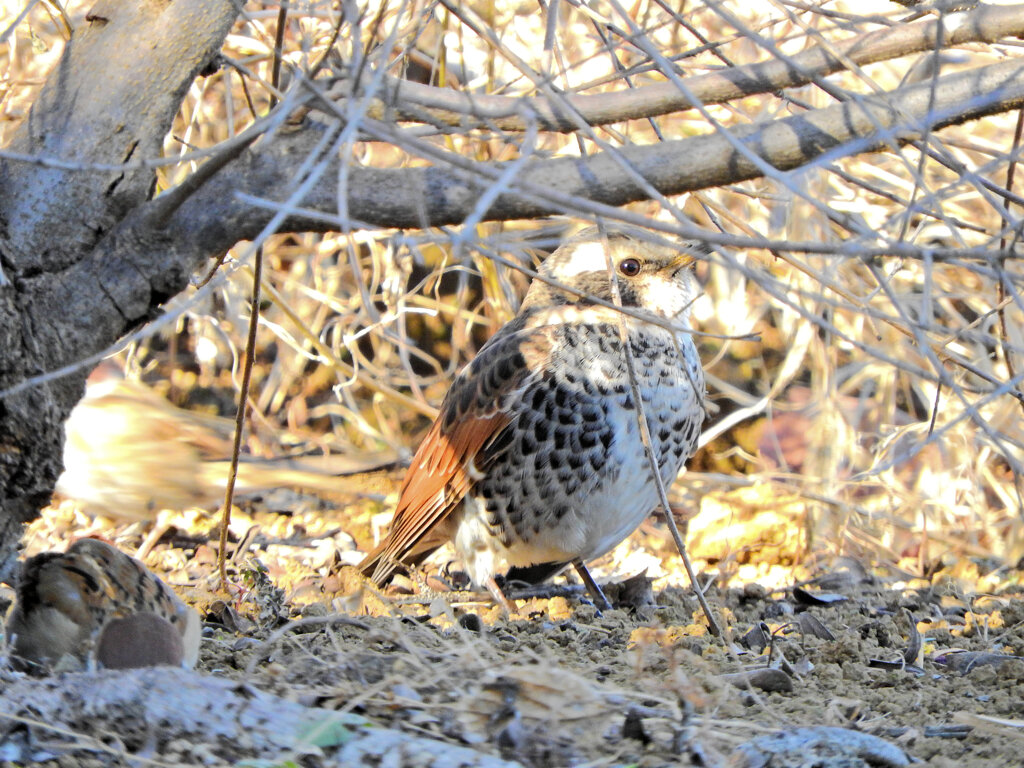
(243, 407)
(652, 459)
(1001, 283)
(250, 342)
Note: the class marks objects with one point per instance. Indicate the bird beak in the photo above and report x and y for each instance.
(682, 261)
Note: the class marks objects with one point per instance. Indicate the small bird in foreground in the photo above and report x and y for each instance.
(536, 457)
(94, 605)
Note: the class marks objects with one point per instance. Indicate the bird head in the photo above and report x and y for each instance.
(651, 277)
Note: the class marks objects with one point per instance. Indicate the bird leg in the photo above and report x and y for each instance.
(499, 596)
(162, 524)
(595, 591)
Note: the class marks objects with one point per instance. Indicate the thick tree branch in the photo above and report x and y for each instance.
(406, 100)
(219, 215)
(447, 192)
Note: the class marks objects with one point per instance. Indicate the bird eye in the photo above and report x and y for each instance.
(629, 267)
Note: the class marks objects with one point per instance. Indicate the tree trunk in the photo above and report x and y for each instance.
(110, 101)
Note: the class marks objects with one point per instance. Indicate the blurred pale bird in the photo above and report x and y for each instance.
(129, 454)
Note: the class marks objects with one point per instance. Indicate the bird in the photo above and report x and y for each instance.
(132, 456)
(129, 453)
(536, 458)
(94, 605)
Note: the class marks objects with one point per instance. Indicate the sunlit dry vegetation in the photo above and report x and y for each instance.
(861, 315)
(862, 318)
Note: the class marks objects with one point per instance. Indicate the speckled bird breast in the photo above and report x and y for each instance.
(572, 478)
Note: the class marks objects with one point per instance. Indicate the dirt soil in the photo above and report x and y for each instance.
(922, 666)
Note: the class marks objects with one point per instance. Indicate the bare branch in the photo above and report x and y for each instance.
(406, 100)
(448, 192)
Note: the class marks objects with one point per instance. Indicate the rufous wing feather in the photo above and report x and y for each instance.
(435, 484)
(454, 450)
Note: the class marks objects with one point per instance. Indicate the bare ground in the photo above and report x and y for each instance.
(923, 665)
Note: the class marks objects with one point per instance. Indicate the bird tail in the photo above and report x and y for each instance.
(382, 563)
(377, 566)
